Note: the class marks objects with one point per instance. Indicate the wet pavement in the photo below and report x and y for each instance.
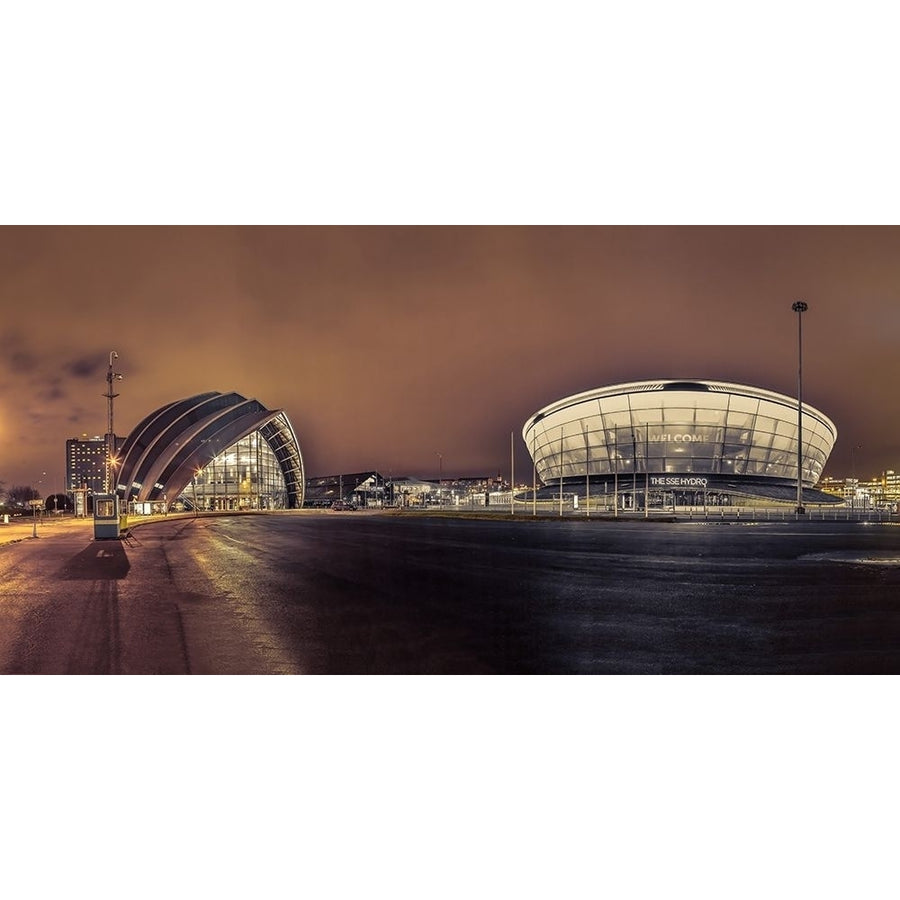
(359, 593)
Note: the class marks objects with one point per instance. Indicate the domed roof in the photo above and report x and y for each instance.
(162, 453)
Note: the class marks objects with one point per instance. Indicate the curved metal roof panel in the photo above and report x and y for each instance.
(162, 453)
(171, 427)
(147, 430)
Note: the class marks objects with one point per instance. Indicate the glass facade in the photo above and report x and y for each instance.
(245, 475)
(678, 428)
(229, 450)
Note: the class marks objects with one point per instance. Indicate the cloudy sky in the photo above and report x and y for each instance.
(387, 346)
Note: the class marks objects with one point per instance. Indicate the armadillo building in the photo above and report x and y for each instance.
(689, 441)
(212, 451)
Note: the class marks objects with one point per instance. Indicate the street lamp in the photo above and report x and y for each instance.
(800, 307)
(440, 480)
(110, 435)
(512, 476)
(853, 480)
(616, 463)
(34, 504)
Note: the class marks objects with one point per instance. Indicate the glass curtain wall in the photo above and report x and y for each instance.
(660, 432)
(244, 476)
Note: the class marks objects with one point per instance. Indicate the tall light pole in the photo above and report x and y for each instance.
(110, 434)
(512, 476)
(616, 463)
(634, 457)
(587, 477)
(853, 478)
(440, 480)
(562, 431)
(34, 504)
(800, 307)
(646, 471)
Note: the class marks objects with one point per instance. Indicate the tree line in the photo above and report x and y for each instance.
(20, 495)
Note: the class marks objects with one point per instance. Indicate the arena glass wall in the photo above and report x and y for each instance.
(682, 433)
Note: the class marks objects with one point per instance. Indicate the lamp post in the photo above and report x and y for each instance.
(512, 476)
(562, 431)
(853, 480)
(587, 477)
(800, 307)
(440, 480)
(633, 470)
(34, 504)
(110, 434)
(646, 471)
(616, 463)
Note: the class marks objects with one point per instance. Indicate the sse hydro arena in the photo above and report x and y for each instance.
(682, 442)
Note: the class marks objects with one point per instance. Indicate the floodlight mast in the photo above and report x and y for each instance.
(800, 307)
(111, 376)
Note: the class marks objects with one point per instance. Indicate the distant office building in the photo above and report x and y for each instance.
(682, 441)
(844, 488)
(881, 491)
(86, 464)
(890, 481)
(212, 451)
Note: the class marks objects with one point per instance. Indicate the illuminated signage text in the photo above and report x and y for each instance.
(678, 481)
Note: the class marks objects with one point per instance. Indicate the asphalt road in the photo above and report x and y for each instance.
(359, 593)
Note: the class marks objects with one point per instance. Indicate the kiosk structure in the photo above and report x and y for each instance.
(106, 517)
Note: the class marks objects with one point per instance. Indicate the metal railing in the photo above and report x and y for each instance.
(603, 509)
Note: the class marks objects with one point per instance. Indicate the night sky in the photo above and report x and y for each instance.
(389, 345)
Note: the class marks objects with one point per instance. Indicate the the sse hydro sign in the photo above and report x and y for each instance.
(683, 481)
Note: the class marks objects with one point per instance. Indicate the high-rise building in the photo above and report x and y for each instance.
(86, 463)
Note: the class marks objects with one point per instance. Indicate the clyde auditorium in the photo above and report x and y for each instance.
(212, 451)
(685, 442)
